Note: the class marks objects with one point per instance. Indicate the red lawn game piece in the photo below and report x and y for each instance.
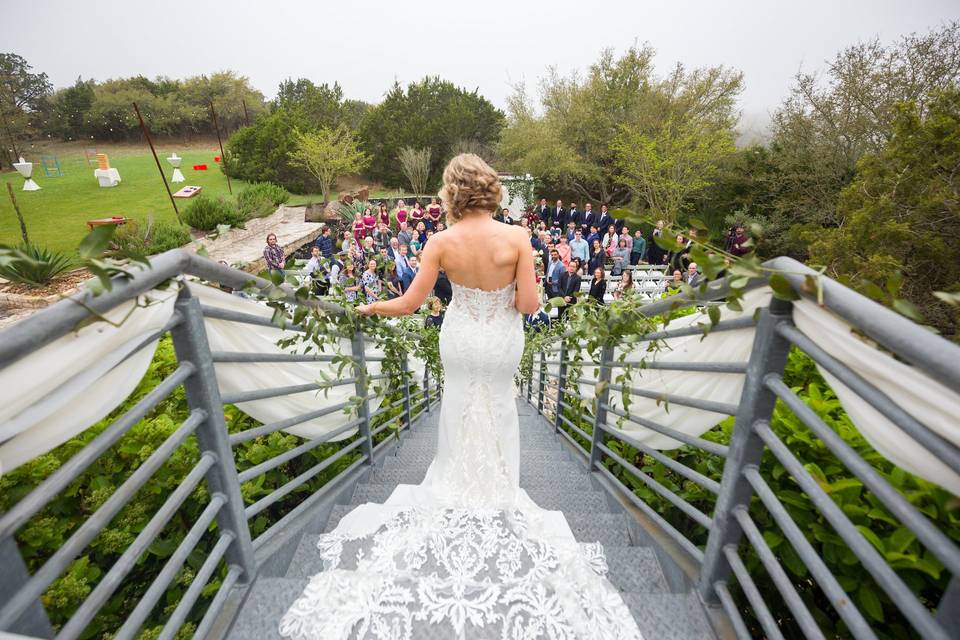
(199, 167)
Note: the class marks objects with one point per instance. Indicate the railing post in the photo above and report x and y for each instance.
(561, 381)
(360, 367)
(33, 621)
(601, 396)
(405, 368)
(426, 389)
(769, 355)
(541, 381)
(202, 392)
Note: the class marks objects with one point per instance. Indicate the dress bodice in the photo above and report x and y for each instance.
(482, 305)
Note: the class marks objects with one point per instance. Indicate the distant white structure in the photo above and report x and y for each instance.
(25, 169)
(516, 193)
(175, 161)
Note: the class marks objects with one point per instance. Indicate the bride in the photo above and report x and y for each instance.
(465, 554)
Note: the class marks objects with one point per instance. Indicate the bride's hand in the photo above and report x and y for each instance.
(365, 309)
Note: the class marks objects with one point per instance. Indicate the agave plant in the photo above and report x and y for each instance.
(33, 265)
(347, 211)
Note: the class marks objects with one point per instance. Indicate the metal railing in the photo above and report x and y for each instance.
(730, 531)
(233, 554)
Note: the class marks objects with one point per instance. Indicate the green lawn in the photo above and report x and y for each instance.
(56, 215)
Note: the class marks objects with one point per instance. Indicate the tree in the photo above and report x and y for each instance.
(21, 94)
(901, 213)
(830, 120)
(671, 164)
(68, 110)
(431, 113)
(328, 154)
(228, 92)
(568, 144)
(416, 167)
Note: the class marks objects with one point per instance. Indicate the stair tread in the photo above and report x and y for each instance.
(268, 600)
(669, 616)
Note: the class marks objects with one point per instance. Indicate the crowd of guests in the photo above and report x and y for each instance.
(377, 256)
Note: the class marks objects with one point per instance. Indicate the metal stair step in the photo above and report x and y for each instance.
(566, 476)
(268, 600)
(570, 501)
(366, 492)
(609, 529)
(306, 560)
(635, 569)
(328, 525)
(669, 616)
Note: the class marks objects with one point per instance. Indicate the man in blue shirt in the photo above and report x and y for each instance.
(579, 248)
(554, 270)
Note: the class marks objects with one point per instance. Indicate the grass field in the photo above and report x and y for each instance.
(56, 215)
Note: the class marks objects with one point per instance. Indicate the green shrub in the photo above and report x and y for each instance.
(134, 239)
(261, 199)
(207, 213)
(33, 265)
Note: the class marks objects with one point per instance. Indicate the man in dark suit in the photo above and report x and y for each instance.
(569, 287)
(573, 215)
(605, 220)
(588, 219)
(442, 288)
(538, 321)
(559, 216)
(542, 210)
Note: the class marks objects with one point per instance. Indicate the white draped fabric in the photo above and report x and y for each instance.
(925, 399)
(83, 376)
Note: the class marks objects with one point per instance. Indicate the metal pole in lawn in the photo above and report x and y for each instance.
(146, 134)
(223, 158)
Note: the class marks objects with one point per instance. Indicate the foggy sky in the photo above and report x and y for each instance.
(487, 45)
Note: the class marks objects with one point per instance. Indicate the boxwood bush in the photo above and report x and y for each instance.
(206, 213)
(261, 199)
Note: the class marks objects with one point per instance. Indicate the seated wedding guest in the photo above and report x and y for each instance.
(400, 213)
(325, 242)
(499, 216)
(598, 286)
(571, 232)
(435, 317)
(597, 257)
(620, 257)
(394, 249)
(579, 247)
(371, 282)
(404, 270)
(624, 232)
(333, 278)
(382, 237)
(348, 243)
(442, 288)
(421, 233)
(579, 265)
(368, 249)
(440, 227)
(394, 287)
(404, 235)
(433, 215)
(369, 221)
(428, 236)
(639, 248)
(315, 271)
(676, 282)
(273, 255)
(538, 321)
(692, 277)
(350, 282)
(569, 287)
(359, 231)
(414, 263)
(625, 286)
(564, 250)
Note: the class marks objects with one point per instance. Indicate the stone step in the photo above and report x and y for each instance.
(669, 616)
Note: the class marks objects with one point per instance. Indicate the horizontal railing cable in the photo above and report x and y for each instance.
(829, 584)
(33, 502)
(216, 313)
(693, 441)
(286, 423)
(688, 509)
(287, 456)
(274, 392)
(666, 365)
(886, 578)
(725, 408)
(200, 580)
(287, 487)
(74, 545)
(933, 538)
(936, 444)
(243, 357)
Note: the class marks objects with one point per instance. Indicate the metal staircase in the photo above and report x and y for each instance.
(659, 596)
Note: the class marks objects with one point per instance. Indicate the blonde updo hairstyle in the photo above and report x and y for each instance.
(469, 183)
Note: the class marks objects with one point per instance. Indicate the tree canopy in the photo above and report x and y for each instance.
(431, 113)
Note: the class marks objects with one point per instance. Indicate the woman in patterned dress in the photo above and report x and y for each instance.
(371, 282)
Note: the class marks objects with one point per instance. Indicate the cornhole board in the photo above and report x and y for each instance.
(187, 192)
(100, 222)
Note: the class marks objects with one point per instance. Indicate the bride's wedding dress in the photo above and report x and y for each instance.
(465, 554)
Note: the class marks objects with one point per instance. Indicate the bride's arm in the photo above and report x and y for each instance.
(526, 298)
(419, 289)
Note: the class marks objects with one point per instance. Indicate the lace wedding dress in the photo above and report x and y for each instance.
(465, 554)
